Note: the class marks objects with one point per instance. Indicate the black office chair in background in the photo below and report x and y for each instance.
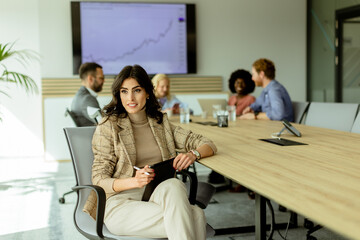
(73, 117)
(94, 115)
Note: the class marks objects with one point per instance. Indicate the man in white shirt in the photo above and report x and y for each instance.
(92, 80)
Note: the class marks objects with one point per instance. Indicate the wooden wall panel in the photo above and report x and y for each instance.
(55, 87)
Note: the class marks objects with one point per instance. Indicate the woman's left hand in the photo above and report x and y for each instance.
(183, 161)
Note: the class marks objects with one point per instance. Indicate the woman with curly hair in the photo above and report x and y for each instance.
(242, 85)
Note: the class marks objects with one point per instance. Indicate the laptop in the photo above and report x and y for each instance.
(206, 104)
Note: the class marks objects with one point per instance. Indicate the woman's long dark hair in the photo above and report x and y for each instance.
(115, 107)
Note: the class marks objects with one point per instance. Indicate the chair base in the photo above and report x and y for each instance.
(62, 199)
(312, 228)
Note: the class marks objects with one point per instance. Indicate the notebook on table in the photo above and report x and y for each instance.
(163, 171)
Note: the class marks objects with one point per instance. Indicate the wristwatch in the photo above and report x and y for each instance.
(196, 153)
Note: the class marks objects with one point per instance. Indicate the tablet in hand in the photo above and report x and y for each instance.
(163, 171)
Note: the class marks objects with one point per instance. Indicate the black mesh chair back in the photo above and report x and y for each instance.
(73, 117)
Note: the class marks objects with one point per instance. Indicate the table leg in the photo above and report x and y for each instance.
(260, 217)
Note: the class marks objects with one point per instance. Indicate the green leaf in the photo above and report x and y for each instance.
(23, 80)
(24, 57)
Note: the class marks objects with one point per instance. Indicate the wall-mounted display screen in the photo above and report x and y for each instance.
(158, 36)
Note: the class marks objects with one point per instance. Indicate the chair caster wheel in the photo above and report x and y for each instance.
(62, 200)
(308, 224)
(311, 238)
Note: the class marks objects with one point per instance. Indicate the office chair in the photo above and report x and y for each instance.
(300, 110)
(337, 116)
(79, 142)
(356, 125)
(77, 123)
(94, 113)
(73, 117)
(311, 229)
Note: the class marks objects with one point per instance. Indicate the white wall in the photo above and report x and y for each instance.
(55, 121)
(21, 129)
(231, 34)
(234, 33)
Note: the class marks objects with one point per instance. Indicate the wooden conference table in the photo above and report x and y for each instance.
(320, 180)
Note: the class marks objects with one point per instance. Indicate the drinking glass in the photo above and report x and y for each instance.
(216, 108)
(232, 113)
(184, 115)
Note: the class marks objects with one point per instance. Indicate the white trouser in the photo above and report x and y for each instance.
(167, 214)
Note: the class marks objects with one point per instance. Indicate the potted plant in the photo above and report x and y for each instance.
(7, 76)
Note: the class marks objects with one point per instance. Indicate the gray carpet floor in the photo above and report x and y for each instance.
(29, 207)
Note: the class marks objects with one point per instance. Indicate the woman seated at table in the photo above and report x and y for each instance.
(161, 84)
(240, 82)
(134, 132)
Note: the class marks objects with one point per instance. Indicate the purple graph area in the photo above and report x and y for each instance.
(151, 35)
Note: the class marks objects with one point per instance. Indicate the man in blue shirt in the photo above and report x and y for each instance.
(274, 102)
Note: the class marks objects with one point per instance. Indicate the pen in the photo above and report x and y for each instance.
(139, 169)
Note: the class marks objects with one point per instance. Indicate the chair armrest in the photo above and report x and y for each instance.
(100, 211)
(193, 185)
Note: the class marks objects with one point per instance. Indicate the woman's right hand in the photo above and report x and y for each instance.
(141, 178)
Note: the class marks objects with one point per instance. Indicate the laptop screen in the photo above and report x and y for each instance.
(206, 104)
